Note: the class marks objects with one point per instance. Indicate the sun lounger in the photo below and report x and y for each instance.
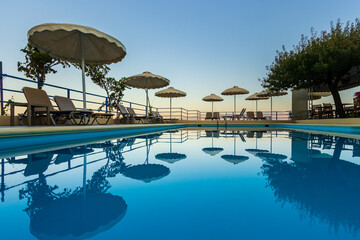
(136, 117)
(251, 116)
(238, 117)
(66, 104)
(208, 116)
(216, 116)
(241, 115)
(124, 113)
(260, 116)
(42, 106)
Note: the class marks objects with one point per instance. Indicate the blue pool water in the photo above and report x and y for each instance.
(185, 184)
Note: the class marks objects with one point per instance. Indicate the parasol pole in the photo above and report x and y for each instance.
(83, 68)
(170, 107)
(271, 108)
(234, 144)
(212, 109)
(147, 151)
(170, 143)
(256, 105)
(234, 105)
(147, 98)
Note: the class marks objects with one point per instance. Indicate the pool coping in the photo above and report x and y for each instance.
(25, 131)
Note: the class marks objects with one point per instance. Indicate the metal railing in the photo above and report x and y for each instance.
(95, 101)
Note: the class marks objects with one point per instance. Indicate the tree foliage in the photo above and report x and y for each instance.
(38, 64)
(114, 88)
(322, 59)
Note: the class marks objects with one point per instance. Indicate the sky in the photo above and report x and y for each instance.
(201, 46)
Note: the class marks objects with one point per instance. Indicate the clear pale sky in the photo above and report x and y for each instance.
(202, 47)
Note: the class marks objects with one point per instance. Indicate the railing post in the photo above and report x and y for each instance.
(181, 113)
(1, 90)
(106, 105)
(276, 115)
(187, 115)
(68, 93)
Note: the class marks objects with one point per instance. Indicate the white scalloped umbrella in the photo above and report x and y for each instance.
(234, 91)
(147, 80)
(76, 43)
(170, 93)
(212, 98)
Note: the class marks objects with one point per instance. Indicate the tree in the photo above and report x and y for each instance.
(38, 64)
(324, 59)
(114, 88)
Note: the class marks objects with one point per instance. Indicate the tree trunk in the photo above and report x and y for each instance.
(41, 80)
(338, 103)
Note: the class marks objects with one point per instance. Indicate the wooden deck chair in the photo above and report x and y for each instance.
(136, 117)
(260, 116)
(208, 116)
(66, 104)
(216, 116)
(241, 115)
(39, 97)
(250, 115)
(123, 112)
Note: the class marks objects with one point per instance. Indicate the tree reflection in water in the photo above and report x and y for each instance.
(326, 189)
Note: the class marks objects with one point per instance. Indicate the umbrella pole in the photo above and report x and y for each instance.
(170, 142)
(271, 108)
(256, 104)
(234, 106)
(170, 107)
(212, 109)
(83, 69)
(234, 145)
(147, 97)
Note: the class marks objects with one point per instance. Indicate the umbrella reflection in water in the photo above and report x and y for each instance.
(255, 150)
(235, 159)
(212, 151)
(170, 157)
(147, 172)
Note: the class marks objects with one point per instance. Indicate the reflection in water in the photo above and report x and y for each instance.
(170, 157)
(233, 158)
(212, 151)
(315, 180)
(35, 163)
(322, 187)
(147, 172)
(80, 213)
(255, 151)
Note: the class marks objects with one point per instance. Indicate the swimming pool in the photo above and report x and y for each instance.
(205, 183)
